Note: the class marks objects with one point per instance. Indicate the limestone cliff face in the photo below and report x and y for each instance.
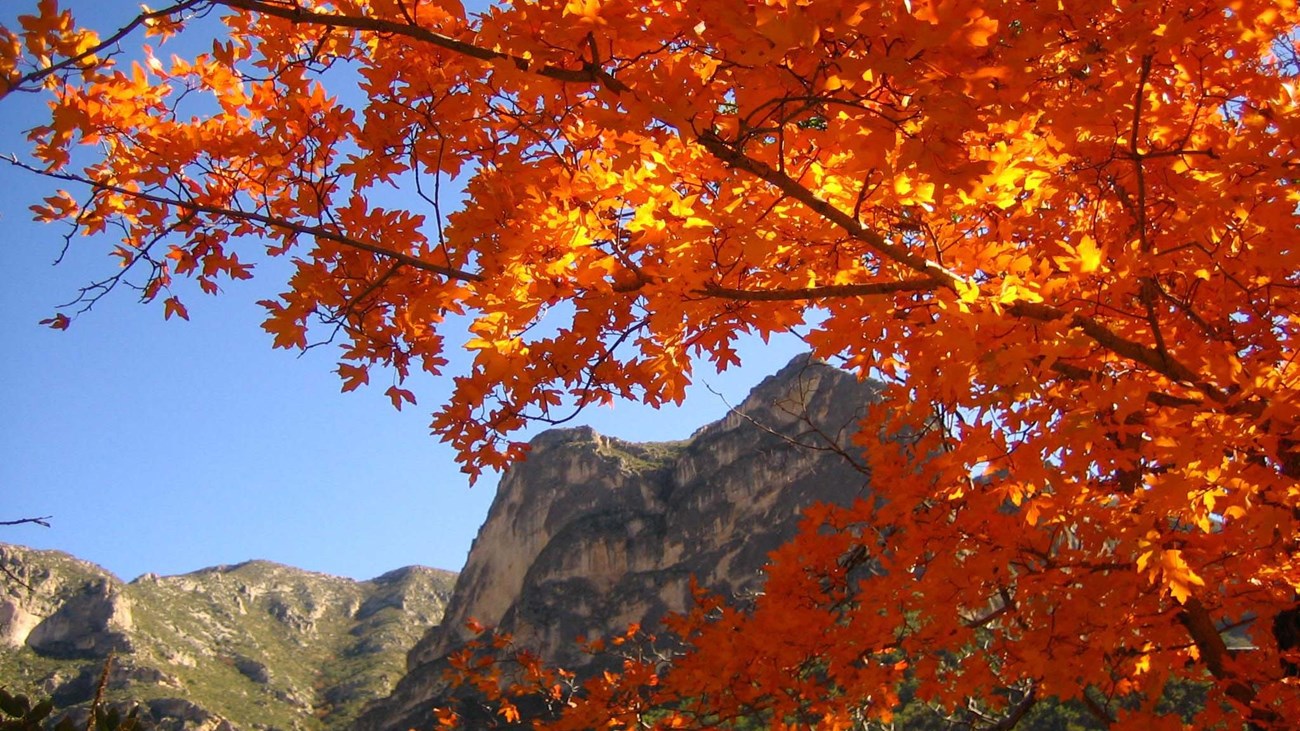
(91, 623)
(591, 533)
(256, 645)
(78, 611)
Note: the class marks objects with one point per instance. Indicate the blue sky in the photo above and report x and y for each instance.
(167, 446)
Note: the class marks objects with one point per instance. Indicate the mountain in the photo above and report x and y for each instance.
(251, 646)
(588, 535)
(591, 533)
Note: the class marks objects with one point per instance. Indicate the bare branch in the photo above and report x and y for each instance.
(43, 520)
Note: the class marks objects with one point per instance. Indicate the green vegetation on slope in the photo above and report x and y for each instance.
(257, 644)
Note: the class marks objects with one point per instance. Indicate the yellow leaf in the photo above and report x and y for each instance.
(967, 291)
(1143, 560)
(902, 185)
(1089, 255)
(1032, 513)
(1178, 576)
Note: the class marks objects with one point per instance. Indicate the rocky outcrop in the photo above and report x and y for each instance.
(592, 533)
(254, 645)
(16, 624)
(92, 623)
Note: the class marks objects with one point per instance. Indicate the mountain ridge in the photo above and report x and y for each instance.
(257, 644)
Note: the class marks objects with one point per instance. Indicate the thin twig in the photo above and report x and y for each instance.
(269, 221)
(43, 520)
(98, 48)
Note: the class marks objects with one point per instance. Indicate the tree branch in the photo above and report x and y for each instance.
(1152, 358)
(43, 520)
(865, 289)
(70, 62)
(791, 187)
(1097, 710)
(293, 12)
(1018, 712)
(272, 222)
(1214, 653)
(14, 577)
(940, 276)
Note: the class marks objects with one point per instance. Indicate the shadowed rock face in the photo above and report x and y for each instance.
(91, 624)
(255, 645)
(591, 533)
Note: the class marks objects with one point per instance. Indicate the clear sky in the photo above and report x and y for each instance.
(167, 446)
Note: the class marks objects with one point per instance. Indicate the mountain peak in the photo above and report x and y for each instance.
(591, 533)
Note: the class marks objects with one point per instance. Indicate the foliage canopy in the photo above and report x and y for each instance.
(1065, 234)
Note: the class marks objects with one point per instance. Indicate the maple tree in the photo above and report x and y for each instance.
(1063, 233)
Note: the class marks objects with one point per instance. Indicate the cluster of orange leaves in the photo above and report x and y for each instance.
(1063, 233)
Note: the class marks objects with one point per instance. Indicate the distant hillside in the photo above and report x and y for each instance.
(251, 646)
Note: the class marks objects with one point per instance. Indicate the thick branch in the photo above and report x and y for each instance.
(1017, 712)
(942, 277)
(298, 14)
(1098, 712)
(1109, 339)
(791, 187)
(1214, 653)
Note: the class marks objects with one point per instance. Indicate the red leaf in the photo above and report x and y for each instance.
(173, 306)
(398, 395)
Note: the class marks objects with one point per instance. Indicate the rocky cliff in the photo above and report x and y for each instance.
(591, 533)
(252, 646)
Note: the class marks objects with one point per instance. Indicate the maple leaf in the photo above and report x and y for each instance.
(508, 711)
(61, 205)
(1177, 576)
(353, 376)
(173, 306)
(398, 396)
(59, 321)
